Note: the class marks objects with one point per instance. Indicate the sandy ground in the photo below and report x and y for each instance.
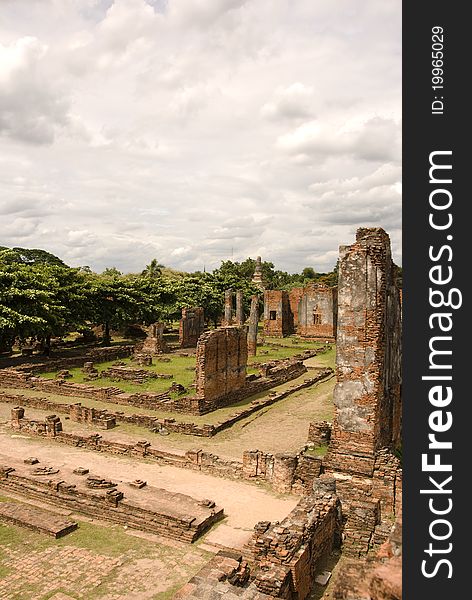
(244, 504)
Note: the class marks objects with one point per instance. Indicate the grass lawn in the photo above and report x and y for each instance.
(183, 367)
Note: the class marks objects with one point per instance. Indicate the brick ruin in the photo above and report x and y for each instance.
(221, 362)
(36, 519)
(253, 326)
(106, 419)
(192, 325)
(257, 279)
(233, 314)
(356, 496)
(368, 358)
(310, 311)
(349, 499)
(277, 315)
(154, 342)
(153, 510)
(286, 473)
(316, 312)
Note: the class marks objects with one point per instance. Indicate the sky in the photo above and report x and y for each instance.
(196, 131)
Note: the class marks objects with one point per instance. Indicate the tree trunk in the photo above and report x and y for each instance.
(106, 334)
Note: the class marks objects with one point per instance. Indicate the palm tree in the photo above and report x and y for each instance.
(153, 269)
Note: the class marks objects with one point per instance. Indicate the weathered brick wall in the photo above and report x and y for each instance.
(154, 342)
(253, 326)
(319, 433)
(379, 578)
(192, 325)
(228, 314)
(368, 360)
(299, 543)
(221, 362)
(239, 317)
(316, 311)
(277, 315)
(294, 298)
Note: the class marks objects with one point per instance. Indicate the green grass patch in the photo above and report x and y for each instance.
(318, 451)
(111, 540)
(182, 368)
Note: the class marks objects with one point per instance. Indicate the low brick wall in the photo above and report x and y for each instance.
(98, 355)
(286, 473)
(171, 425)
(272, 374)
(319, 433)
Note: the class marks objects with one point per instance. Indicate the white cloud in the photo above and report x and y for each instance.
(196, 130)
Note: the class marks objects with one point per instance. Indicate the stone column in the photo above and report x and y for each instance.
(239, 308)
(228, 307)
(253, 324)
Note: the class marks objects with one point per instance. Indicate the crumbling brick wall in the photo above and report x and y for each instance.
(221, 362)
(278, 321)
(368, 360)
(316, 311)
(154, 342)
(192, 325)
(298, 544)
(319, 433)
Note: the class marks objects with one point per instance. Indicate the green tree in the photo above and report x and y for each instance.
(153, 269)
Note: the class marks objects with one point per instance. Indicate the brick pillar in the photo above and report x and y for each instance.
(253, 324)
(228, 307)
(17, 414)
(239, 308)
(284, 472)
(368, 357)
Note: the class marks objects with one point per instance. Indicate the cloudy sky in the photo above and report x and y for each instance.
(199, 130)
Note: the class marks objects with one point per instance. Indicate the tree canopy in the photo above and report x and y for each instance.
(40, 296)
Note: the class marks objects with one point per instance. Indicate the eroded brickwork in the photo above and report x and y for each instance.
(192, 325)
(294, 548)
(368, 357)
(228, 317)
(277, 314)
(154, 510)
(253, 326)
(239, 308)
(316, 312)
(154, 342)
(221, 362)
(310, 311)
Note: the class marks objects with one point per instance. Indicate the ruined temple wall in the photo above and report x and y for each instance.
(368, 361)
(294, 297)
(277, 314)
(317, 312)
(221, 362)
(191, 326)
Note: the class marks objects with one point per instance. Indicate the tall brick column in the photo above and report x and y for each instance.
(368, 358)
(228, 307)
(253, 325)
(239, 308)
